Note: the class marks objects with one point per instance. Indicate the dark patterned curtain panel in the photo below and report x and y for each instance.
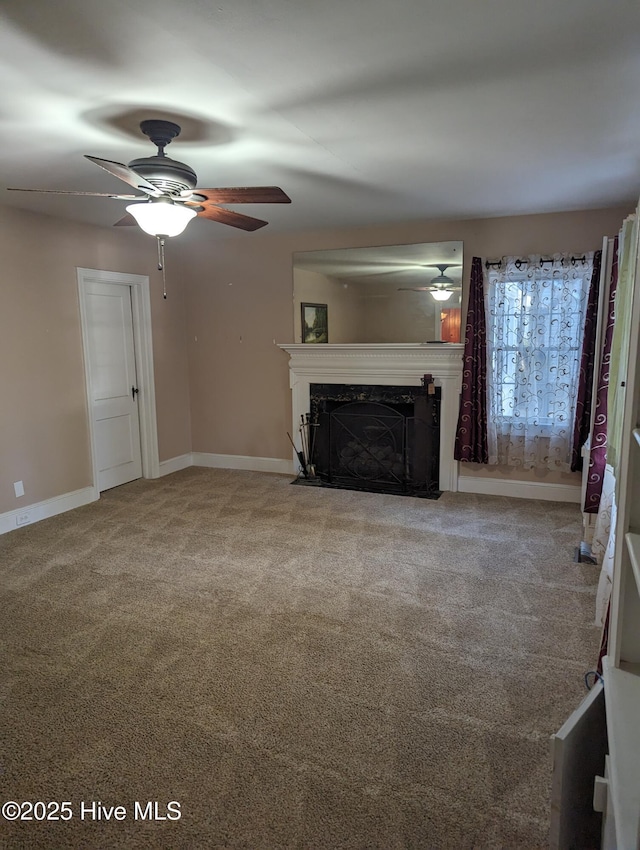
(582, 421)
(471, 435)
(598, 451)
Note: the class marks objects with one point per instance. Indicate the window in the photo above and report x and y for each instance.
(535, 320)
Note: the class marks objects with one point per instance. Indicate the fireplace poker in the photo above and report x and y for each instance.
(312, 450)
(301, 458)
(305, 436)
(304, 439)
(310, 440)
(302, 436)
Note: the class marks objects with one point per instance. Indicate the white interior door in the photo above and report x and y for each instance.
(113, 383)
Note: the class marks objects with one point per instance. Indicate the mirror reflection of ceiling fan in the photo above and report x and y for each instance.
(441, 287)
(169, 198)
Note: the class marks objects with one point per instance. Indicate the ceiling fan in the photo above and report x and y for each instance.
(441, 287)
(169, 198)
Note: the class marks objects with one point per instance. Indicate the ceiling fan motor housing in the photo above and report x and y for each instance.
(167, 188)
(169, 175)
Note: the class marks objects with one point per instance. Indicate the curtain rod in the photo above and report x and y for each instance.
(519, 263)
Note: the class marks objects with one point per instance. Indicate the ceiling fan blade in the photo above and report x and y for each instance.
(123, 172)
(245, 195)
(127, 220)
(244, 222)
(89, 194)
(416, 288)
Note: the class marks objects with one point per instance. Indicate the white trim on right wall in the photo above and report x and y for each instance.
(520, 489)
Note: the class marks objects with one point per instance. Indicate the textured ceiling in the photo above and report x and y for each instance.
(364, 111)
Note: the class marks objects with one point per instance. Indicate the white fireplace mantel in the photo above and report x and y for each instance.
(390, 364)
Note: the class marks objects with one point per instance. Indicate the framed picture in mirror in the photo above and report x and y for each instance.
(315, 323)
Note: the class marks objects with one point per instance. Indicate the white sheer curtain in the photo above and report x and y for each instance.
(535, 308)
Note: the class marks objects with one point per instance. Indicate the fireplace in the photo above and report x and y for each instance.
(382, 365)
(377, 438)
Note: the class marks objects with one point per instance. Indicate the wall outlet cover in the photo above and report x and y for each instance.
(23, 519)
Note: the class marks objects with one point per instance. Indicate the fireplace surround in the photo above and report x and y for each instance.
(376, 438)
(393, 365)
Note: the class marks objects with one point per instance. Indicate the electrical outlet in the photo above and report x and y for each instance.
(18, 488)
(23, 519)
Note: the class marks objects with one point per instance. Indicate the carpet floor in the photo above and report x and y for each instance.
(296, 667)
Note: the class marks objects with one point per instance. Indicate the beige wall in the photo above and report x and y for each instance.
(344, 305)
(230, 377)
(398, 316)
(43, 422)
(239, 297)
(238, 379)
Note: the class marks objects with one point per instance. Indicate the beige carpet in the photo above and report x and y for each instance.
(298, 668)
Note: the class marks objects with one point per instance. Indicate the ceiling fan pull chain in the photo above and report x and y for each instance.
(161, 265)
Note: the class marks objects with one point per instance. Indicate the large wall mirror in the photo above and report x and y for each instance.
(388, 294)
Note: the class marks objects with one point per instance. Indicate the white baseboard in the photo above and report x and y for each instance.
(175, 464)
(520, 489)
(69, 501)
(254, 464)
(217, 461)
(466, 484)
(9, 521)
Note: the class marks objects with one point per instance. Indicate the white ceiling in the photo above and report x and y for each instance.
(363, 111)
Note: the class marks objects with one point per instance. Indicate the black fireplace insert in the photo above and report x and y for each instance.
(377, 438)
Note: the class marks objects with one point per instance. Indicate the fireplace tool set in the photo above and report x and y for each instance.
(307, 441)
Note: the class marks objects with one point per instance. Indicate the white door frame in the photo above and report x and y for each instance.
(141, 309)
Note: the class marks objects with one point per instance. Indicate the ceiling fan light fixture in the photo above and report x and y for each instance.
(161, 217)
(441, 294)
